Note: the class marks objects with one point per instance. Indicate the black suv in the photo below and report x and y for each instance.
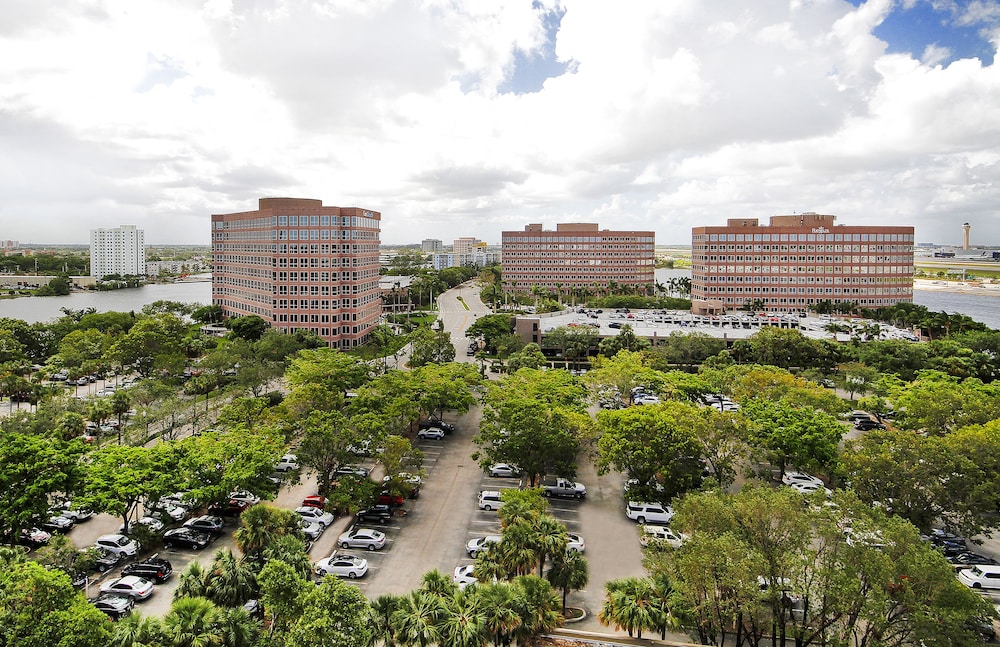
(868, 425)
(376, 513)
(209, 523)
(154, 568)
(431, 423)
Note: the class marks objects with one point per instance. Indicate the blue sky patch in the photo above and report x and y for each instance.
(531, 69)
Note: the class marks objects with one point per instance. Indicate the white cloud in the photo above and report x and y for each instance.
(672, 115)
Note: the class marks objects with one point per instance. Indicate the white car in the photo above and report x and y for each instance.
(405, 477)
(464, 576)
(243, 495)
(152, 523)
(643, 512)
(980, 577)
(504, 470)
(575, 543)
(165, 511)
(650, 534)
(287, 463)
(475, 546)
(431, 434)
(646, 398)
(312, 513)
(789, 478)
(131, 585)
(311, 529)
(118, 544)
(347, 566)
(809, 488)
(362, 538)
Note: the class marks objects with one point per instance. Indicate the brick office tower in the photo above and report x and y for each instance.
(300, 266)
(576, 256)
(798, 261)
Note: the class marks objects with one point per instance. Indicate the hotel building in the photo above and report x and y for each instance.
(576, 255)
(300, 266)
(798, 261)
(121, 251)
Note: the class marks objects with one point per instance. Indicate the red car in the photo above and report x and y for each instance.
(232, 508)
(315, 501)
(390, 499)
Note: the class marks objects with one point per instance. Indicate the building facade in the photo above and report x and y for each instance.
(121, 251)
(479, 258)
(300, 266)
(798, 261)
(431, 245)
(467, 245)
(577, 256)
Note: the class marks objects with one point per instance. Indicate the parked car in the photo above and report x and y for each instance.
(430, 423)
(154, 524)
(479, 544)
(432, 433)
(969, 558)
(575, 543)
(118, 543)
(349, 566)
(207, 523)
(243, 495)
(106, 560)
(868, 425)
(362, 538)
(788, 478)
(57, 523)
(230, 508)
(386, 497)
(33, 537)
(490, 500)
(135, 587)
(166, 512)
(315, 501)
(153, 568)
(287, 463)
(643, 512)
(76, 514)
(809, 488)
(113, 605)
(464, 576)
(352, 470)
(504, 470)
(186, 538)
(310, 529)
(413, 481)
(649, 534)
(376, 513)
(980, 577)
(318, 515)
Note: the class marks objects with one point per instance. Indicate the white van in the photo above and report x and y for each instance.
(490, 500)
(649, 512)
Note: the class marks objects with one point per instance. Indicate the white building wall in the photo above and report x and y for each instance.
(121, 250)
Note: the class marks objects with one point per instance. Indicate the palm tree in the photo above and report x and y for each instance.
(463, 623)
(382, 609)
(231, 583)
(499, 615)
(437, 583)
(569, 572)
(194, 582)
(238, 629)
(627, 605)
(663, 618)
(415, 622)
(548, 538)
(537, 605)
(136, 630)
(193, 622)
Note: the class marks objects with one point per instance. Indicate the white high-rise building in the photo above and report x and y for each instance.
(121, 250)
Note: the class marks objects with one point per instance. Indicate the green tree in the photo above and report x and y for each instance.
(655, 445)
(249, 328)
(569, 572)
(216, 464)
(283, 593)
(153, 343)
(119, 477)
(537, 605)
(797, 436)
(208, 314)
(327, 442)
(34, 469)
(261, 526)
(626, 339)
(39, 607)
(531, 356)
(334, 615)
(430, 347)
(416, 620)
(193, 622)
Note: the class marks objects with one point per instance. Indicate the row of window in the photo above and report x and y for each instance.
(521, 239)
(776, 258)
(699, 250)
(697, 279)
(299, 221)
(813, 237)
(790, 290)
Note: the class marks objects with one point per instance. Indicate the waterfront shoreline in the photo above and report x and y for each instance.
(961, 287)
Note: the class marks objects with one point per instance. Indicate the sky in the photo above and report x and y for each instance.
(469, 117)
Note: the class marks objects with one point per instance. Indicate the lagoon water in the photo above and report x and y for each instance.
(984, 308)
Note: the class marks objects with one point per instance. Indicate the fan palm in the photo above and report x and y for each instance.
(627, 605)
(463, 623)
(500, 617)
(138, 631)
(194, 582)
(437, 583)
(569, 571)
(382, 609)
(231, 583)
(415, 622)
(193, 622)
(537, 605)
(238, 629)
